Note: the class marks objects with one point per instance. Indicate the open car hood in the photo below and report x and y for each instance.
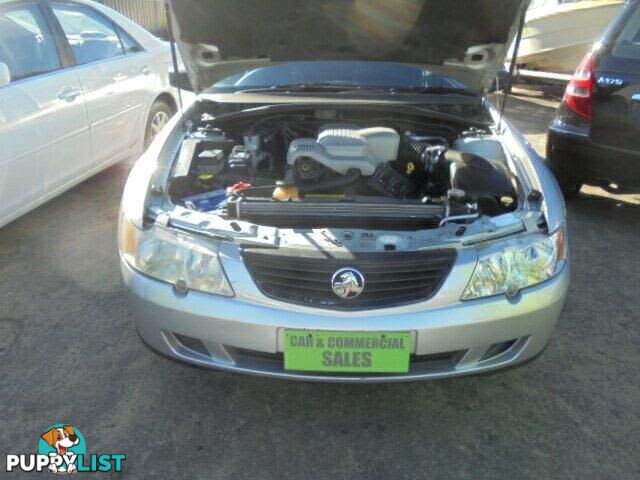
(464, 39)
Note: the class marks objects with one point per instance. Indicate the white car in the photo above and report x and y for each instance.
(81, 88)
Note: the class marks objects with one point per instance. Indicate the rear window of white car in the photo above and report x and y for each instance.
(27, 46)
(627, 45)
(92, 37)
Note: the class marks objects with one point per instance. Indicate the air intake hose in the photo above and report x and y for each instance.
(412, 152)
(422, 163)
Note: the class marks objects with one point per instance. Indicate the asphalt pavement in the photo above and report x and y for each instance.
(69, 353)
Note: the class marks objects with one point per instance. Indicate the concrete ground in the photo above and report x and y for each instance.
(69, 353)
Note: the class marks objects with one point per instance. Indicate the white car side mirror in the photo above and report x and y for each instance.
(5, 74)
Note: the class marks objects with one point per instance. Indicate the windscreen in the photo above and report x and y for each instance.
(381, 75)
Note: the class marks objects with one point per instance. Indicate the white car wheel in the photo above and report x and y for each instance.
(160, 115)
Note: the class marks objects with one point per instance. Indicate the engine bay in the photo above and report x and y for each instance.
(324, 168)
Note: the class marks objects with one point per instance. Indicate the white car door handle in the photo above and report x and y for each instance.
(145, 70)
(69, 94)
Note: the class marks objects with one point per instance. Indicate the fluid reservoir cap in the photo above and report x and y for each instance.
(205, 178)
(506, 200)
(286, 193)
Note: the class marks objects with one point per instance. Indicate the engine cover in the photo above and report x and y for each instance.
(344, 149)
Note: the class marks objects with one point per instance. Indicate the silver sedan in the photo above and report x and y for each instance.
(331, 216)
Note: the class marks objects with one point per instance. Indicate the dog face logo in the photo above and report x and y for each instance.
(347, 283)
(61, 438)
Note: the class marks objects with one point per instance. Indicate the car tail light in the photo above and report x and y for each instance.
(579, 94)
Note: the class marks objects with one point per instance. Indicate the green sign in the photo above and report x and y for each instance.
(325, 351)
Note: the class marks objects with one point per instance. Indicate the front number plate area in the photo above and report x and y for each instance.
(362, 352)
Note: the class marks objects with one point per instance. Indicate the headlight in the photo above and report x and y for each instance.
(520, 264)
(180, 259)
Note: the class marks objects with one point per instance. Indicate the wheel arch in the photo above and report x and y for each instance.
(168, 99)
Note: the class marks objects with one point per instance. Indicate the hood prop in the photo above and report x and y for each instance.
(174, 51)
(512, 65)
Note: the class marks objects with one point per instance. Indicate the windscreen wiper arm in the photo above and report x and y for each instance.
(306, 87)
(433, 90)
(337, 87)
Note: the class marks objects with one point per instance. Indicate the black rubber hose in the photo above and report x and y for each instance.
(412, 152)
(343, 181)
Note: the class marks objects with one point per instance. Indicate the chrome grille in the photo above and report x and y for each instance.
(391, 278)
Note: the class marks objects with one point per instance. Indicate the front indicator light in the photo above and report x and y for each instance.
(186, 262)
(518, 265)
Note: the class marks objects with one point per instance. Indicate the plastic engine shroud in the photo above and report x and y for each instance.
(344, 149)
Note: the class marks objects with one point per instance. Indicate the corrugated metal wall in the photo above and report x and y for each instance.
(150, 14)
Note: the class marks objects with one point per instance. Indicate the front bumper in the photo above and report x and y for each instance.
(246, 336)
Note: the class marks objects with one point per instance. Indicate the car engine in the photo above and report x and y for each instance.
(342, 149)
(320, 170)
